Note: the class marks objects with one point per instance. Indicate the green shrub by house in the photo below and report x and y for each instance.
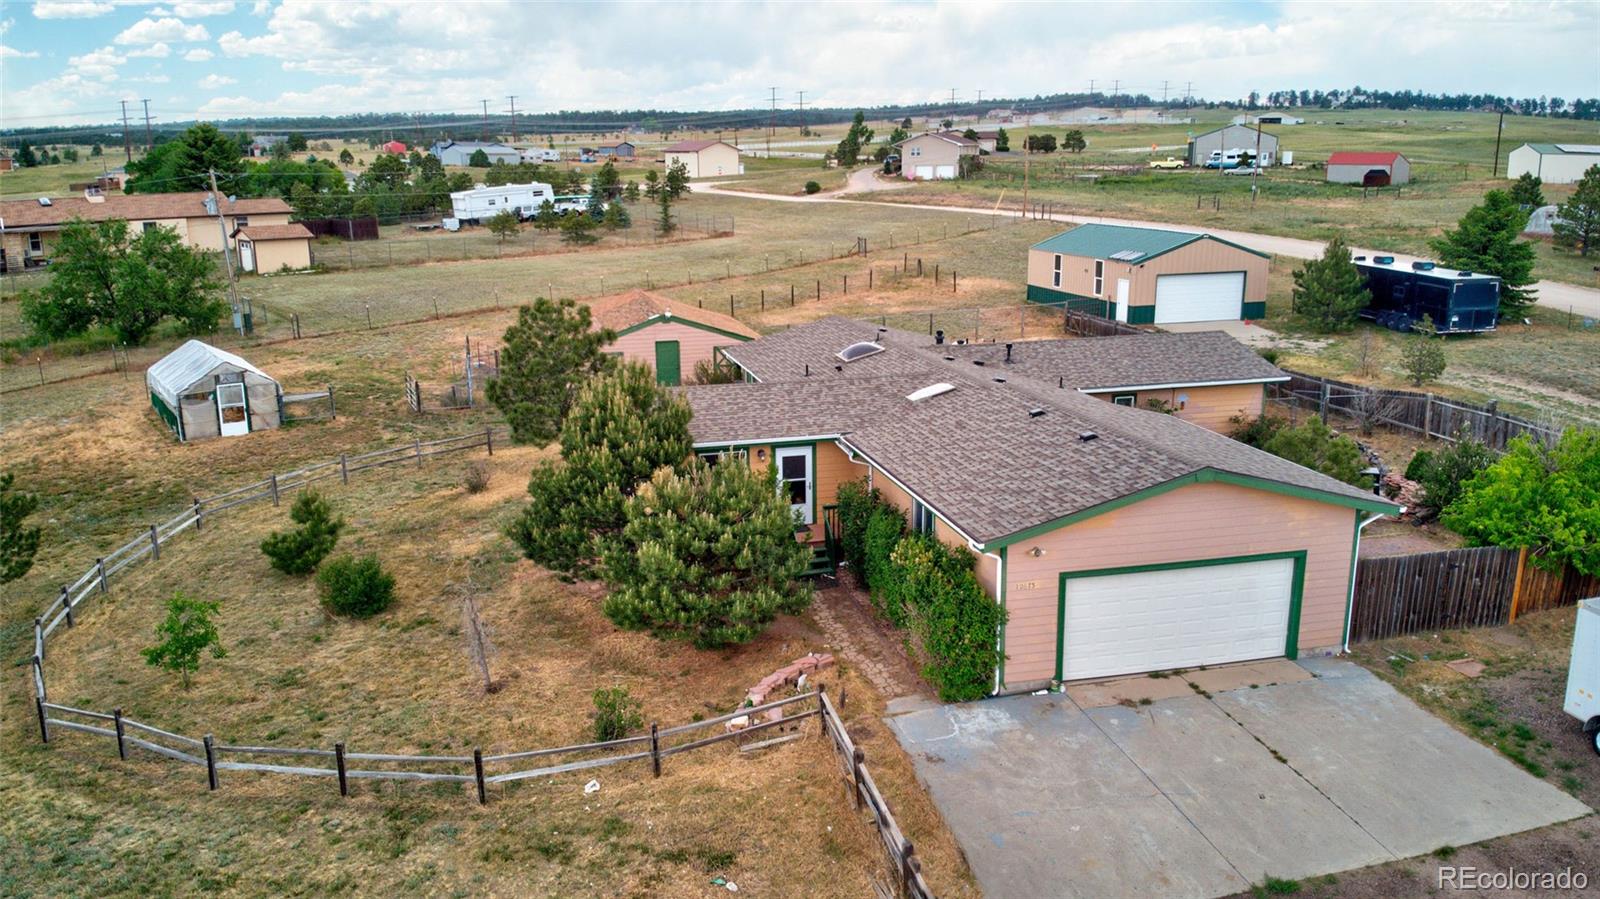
(359, 588)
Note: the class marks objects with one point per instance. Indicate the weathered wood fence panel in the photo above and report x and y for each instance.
(1543, 589)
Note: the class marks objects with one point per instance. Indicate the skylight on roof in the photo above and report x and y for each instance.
(1127, 255)
(932, 390)
(859, 350)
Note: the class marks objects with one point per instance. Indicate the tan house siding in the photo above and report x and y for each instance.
(203, 231)
(276, 255)
(694, 344)
(1208, 407)
(1198, 521)
(719, 159)
(830, 467)
(931, 151)
(1202, 256)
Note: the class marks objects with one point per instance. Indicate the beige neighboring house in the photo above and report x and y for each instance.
(670, 337)
(705, 158)
(935, 156)
(273, 248)
(29, 228)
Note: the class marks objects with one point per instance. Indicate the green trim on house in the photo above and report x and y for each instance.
(669, 363)
(1198, 477)
(1142, 315)
(682, 320)
(1004, 576)
(1253, 311)
(812, 487)
(1291, 649)
(1095, 240)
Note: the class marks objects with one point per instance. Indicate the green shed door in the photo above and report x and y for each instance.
(667, 363)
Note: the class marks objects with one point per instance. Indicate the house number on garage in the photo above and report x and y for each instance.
(1028, 585)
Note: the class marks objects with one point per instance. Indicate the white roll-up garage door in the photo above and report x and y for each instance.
(924, 172)
(1204, 614)
(945, 171)
(1215, 296)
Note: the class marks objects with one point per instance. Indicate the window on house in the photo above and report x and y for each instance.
(1124, 399)
(921, 518)
(916, 151)
(1099, 277)
(1055, 274)
(149, 226)
(241, 221)
(36, 242)
(712, 457)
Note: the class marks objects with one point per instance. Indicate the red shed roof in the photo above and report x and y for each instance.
(1346, 158)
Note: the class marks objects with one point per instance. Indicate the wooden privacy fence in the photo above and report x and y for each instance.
(1419, 413)
(1456, 588)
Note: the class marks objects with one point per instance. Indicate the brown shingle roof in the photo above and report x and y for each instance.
(625, 310)
(32, 214)
(694, 146)
(292, 231)
(810, 351)
(1099, 364)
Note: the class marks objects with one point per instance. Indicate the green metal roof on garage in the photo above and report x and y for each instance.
(1124, 243)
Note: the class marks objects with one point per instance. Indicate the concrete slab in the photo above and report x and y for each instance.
(1246, 675)
(1117, 691)
(1261, 816)
(1411, 780)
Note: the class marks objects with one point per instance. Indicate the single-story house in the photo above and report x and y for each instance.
(5, 161)
(671, 337)
(274, 248)
(935, 156)
(1233, 137)
(1148, 275)
(1553, 163)
(30, 227)
(1368, 169)
(459, 152)
(1268, 118)
(1119, 540)
(395, 147)
(620, 150)
(705, 158)
(986, 139)
(201, 391)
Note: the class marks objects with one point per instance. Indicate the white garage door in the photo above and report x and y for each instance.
(925, 172)
(1176, 618)
(1215, 296)
(946, 171)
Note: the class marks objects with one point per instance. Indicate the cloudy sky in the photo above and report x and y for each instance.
(71, 61)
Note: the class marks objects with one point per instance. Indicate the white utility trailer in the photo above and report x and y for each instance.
(483, 203)
(1583, 676)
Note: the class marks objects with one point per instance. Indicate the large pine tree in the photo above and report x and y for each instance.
(1486, 240)
(548, 356)
(1578, 219)
(1328, 292)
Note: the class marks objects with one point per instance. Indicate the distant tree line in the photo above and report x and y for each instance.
(1362, 98)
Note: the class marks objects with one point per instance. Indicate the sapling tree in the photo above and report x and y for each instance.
(186, 634)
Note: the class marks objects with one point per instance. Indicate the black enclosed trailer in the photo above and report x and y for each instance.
(1458, 302)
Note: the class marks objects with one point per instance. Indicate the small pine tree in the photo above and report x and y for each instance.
(1328, 292)
(504, 224)
(18, 543)
(301, 550)
(1578, 219)
(1443, 473)
(545, 360)
(1073, 142)
(1486, 240)
(652, 183)
(631, 192)
(676, 183)
(547, 218)
(346, 157)
(1002, 141)
(1528, 191)
(357, 587)
(578, 229)
(616, 217)
(1314, 445)
(664, 222)
(1422, 354)
(479, 159)
(185, 634)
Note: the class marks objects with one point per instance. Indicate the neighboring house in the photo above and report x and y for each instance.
(619, 150)
(5, 162)
(705, 158)
(1204, 377)
(1268, 118)
(273, 248)
(263, 143)
(1118, 540)
(1368, 169)
(201, 391)
(395, 147)
(1233, 137)
(1553, 163)
(670, 337)
(454, 152)
(935, 156)
(29, 228)
(986, 139)
(1148, 276)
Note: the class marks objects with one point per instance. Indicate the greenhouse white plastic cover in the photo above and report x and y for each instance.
(177, 371)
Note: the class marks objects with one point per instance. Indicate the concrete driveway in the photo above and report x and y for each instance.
(1202, 794)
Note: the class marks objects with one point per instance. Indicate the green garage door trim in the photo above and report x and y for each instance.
(667, 371)
(1297, 588)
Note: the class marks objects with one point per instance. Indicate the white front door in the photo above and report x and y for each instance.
(1198, 614)
(233, 410)
(795, 480)
(1122, 299)
(1214, 296)
(247, 255)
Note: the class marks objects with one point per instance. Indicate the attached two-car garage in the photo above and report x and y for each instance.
(1208, 297)
(1182, 615)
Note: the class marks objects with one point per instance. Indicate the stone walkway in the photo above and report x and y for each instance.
(854, 632)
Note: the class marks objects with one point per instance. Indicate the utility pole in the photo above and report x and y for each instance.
(1163, 92)
(804, 128)
(772, 118)
(148, 144)
(227, 255)
(1188, 93)
(1027, 156)
(127, 139)
(1255, 167)
(485, 136)
(980, 97)
(1091, 90)
(513, 99)
(1116, 87)
(1494, 170)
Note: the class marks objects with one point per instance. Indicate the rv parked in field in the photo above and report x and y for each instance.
(540, 154)
(1458, 302)
(481, 204)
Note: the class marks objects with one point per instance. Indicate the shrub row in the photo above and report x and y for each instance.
(917, 582)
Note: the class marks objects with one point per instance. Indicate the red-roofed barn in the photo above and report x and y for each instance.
(1368, 169)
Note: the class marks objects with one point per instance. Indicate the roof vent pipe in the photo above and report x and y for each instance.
(808, 369)
(1008, 352)
(938, 338)
(1087, 436)
(1035, 412)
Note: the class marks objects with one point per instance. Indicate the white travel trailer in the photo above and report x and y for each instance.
(483, 203)
(541, 154)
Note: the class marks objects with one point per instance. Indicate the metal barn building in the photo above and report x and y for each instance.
(1233, 137)
(201, 391)
(1553, 163)
(1368, 169)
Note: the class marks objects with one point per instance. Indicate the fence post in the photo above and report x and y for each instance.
(66, 600)
(477, 770)
(1516, 588)
(910, 865)
(488, 438)
(344, 468)
(791, 294)
(155, 543)
(38, 636)
(952, 280)
(272, 484)
(122, 747)
(655, 750)
(819, 290)
(100, 566)
(338, 759)
(211, 762)
(869, 277)
(197, 513)
(856, 759)
(846, 285)
(1427, 417)
(333, 412)
(1322, 401)
(44, 726)
(417, 442)
(822, 711)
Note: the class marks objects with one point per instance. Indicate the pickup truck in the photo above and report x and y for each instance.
(1168, 163)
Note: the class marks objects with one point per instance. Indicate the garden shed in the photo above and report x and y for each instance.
(201, 391)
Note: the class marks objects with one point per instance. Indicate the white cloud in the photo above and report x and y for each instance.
(198, 54)
(13, 53)
(154, 51)
(195, 9)
(149, 79)
(214, 81)
(261, 8)
(150, 31)
(101, 64)
(70, 9)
